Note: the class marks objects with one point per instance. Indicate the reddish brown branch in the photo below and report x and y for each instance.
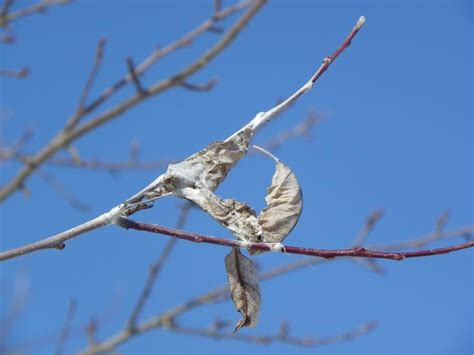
(327, 254)
(347, 42)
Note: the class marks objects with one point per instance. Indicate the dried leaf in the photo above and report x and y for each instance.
(209, 167)
(244, 287)
(284, 204)
(205, 169)
(236, 216)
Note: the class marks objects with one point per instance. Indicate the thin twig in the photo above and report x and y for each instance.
(91, 164)
(18, 74)
(263, 117)
(134, 76)
(200, 87)
(61, 190)
(466, 231)
(156, 268)
(277, 338)
(328, 254)
(66, 328)
(302, 129)
(369, 225)
(99, 56)
(39, 7)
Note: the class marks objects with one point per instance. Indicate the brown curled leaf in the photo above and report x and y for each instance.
(284, 204)
(209, 167)
(244, 287)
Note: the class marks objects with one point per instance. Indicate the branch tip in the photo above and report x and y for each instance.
(360, 22)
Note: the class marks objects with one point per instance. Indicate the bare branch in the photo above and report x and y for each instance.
(278, 247)
(302, 129)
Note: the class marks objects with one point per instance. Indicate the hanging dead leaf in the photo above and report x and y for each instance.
(244, 287)
(284, 203)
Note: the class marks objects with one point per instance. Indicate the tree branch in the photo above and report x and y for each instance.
(57, 241)
(264, 117)
(278, 247)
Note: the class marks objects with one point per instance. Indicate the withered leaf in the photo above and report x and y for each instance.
(244, 287)
(205, 169)
(209, 167)
(236, 216)
(284, 204)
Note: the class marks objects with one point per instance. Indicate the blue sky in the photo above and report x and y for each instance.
(396, 134)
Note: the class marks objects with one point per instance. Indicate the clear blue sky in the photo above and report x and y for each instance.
(397, 134)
